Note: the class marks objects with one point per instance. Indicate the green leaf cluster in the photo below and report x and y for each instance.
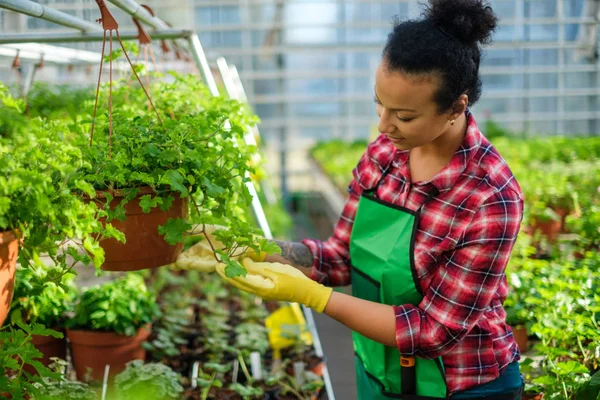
(46, 304)
(17, 351)
(40, 178)
(122, 306)
(150, 381)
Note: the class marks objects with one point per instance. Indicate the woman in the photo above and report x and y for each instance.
(428, 228)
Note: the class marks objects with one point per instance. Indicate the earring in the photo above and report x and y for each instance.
(452, 122)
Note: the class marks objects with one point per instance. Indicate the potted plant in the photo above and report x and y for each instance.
(150, 381)
(110, 323)
(46, 304)
(155, 177)
(40, 213)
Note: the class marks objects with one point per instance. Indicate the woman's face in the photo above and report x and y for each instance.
(408, 113)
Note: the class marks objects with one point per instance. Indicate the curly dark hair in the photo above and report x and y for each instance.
(446, 43)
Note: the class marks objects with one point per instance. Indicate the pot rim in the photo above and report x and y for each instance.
(7, 237)
(106, 339)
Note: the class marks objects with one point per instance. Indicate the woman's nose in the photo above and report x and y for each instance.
(385, 124)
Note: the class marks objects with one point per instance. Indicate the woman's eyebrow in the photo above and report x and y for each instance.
(395, 109)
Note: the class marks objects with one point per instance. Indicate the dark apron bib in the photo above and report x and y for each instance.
(381, 252)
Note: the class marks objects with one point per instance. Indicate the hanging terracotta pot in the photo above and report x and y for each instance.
(550, 228)
(96, 349)
(144, 247)
(9, 251)
(50, 347)
(521, 337)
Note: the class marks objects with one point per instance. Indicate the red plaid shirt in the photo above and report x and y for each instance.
(462, 246)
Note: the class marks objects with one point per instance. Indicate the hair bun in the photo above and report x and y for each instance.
(470, 21)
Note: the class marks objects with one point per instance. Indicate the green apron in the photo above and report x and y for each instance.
(381, 253)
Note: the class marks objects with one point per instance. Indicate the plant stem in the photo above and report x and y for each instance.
(244, 368)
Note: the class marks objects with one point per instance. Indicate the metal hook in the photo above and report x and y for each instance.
(107, 20)
(16, 64)
(163, 43)
(143, 36)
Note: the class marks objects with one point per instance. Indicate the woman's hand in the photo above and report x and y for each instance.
(201, 256)
(275, 281)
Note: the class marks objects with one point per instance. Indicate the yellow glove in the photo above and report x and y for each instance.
(275, 281)
(200, 257)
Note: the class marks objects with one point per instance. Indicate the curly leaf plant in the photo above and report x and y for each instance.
(197, 152)
(39, 180)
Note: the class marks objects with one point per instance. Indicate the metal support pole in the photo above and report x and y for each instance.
(204, 68)
(267, 187)
(202, 63)
(72, 37)
(39, 11)
(137, 11)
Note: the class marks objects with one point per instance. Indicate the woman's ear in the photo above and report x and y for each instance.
(460, 106)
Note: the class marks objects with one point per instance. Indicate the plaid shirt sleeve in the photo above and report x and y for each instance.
(464, 283)
(332, 257)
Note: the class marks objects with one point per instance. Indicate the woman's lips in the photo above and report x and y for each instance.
(395, 139)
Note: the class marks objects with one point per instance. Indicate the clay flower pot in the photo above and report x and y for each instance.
(50, 347)
(9, 251)
(144, 247)
(550, 228)
(521, 337)
(94, 350)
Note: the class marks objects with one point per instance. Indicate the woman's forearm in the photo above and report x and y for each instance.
(373, 320)
(295, 254)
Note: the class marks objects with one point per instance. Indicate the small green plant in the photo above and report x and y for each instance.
(247, 392)
(17, 351)
(252, 337)
(45, 304)
(151, 381)
(212, 378)
(121, 306)
(63, 388)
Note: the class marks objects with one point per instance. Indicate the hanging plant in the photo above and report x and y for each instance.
(187, 171)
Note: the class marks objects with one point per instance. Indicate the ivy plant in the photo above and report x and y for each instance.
(121, 306)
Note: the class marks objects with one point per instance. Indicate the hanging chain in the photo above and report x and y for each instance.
(110, 24)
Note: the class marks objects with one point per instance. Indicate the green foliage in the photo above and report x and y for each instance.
(151, 381)
(62, 388)
(45, 304)
(247, 392)
(12, 120)
(39, 181)
(121, 306)
(16, 351)
(338, 158)
(56, 102)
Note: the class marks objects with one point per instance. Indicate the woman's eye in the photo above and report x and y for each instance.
(404, 119)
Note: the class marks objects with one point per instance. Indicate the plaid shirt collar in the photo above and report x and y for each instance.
(448, 176)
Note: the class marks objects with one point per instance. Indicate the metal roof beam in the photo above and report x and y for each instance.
(49, 14)
(67, 37)
(140, 13)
